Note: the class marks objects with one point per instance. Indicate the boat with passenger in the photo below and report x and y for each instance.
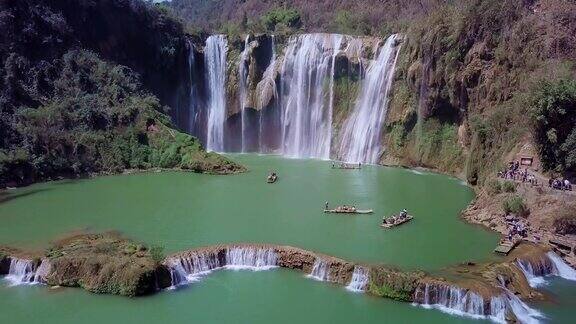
(272, 177)
(395, 220)
(345, 209)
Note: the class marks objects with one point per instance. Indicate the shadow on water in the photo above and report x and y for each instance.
(6, 196)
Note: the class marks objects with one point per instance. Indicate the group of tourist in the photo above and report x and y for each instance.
(514, 173)
(515, 228)
(560, 184)
(343, 208)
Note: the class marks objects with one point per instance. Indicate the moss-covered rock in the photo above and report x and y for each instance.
(104, 263)
(392, 283)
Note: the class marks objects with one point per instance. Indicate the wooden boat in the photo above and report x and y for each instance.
(272, 178)
(340, 210)
(347, 166)
(399, 221)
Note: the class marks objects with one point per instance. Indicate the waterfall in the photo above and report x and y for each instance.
(215, 62)
(194, 96)
(21, 271)
(243, 88)
(320, 270)
(42, 271)
(359, 280)
(250, 258)
(457, 301)
(535, 277)
(268, 80)
(306, 110)
(190, 268)
(552, 265)
(361, 132)
(560, 268)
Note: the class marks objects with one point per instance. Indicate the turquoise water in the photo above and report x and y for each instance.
(185, 210)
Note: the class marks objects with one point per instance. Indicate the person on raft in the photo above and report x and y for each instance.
(326, 206)
(403, 213)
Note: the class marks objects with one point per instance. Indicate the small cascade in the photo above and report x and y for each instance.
(305, 102)
(560, 268)
(243, 88)
(361, 132)
(457, 301)
(453, 300)
(320, 270)
(523, 313)
(552, 265)
(215, 62)
(359, 280)
(535, 277)
(21, 271)
(190, 268)
(250, 258)
(42, 271)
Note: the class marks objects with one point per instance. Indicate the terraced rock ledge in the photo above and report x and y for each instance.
(108, 263)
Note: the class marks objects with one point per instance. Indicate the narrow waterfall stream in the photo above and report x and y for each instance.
(305, 99)
(359, 280)
(320, 270)
(360, 138)
(215, 62)
(243, 88)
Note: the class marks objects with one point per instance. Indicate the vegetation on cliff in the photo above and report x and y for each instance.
(66, 111)
(393, 284)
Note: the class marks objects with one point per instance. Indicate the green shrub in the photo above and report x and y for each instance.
(508, 186)
(494, 187)
(515, 204)
(554, 111)
(281, 16)
(157, 253)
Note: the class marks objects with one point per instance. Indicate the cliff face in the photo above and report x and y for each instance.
(463, 87)
(78, 87)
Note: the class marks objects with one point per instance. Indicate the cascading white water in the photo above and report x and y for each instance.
(306, 105)
(21, 271)
(268, 80)
(458, 301)
(42, 271)
(250, 258)
(193, 113)
(534, 279)
(243, 88)
(320, 270)
(359, 279)
(561, 269)
(215, 62)
(454, 300)
(192, 267)
(361, 132)
(553, 265)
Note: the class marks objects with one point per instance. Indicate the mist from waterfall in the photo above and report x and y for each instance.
(215, 62)
(306, 102)
(361, 132)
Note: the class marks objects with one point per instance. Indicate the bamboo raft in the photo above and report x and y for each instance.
(399, 221)
(349, 211)
(347, 167)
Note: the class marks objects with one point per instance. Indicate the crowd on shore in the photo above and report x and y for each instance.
(515, 173)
